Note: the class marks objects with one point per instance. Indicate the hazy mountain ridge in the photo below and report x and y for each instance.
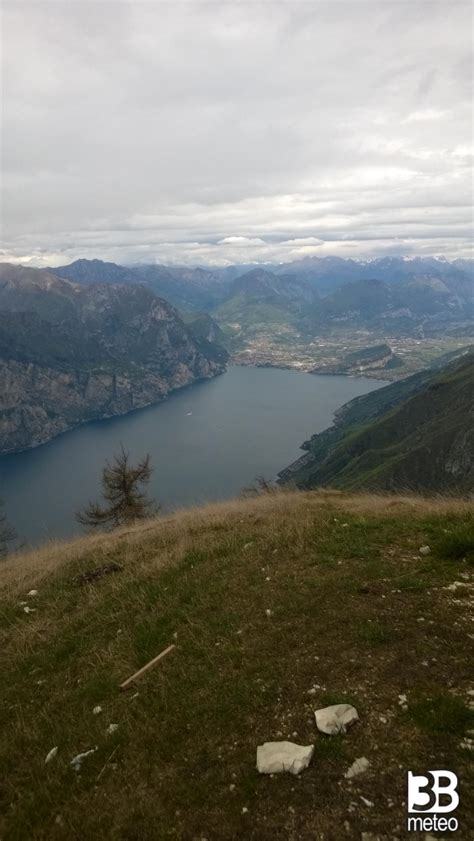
(416, 434)
(71, 353)
(314, 295)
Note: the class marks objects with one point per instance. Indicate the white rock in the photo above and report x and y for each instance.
(424, 550)
(77, 761)
(275, 757)
(336, 719)
(367, 802)
(112, 728)
(29, 609)
(32, 593)
(359, 766)
(50, 755)
(97, 710)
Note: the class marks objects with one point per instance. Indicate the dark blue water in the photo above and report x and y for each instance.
(206, 443)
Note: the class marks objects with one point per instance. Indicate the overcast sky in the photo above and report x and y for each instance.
(210, 133)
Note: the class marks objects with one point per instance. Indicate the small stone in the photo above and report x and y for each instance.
(276, 757)
(97, 710)
(112, 728)
(336, 719)
(359, 766)
(77, 761)
(345, 526)
(244, 810)
(424, 550)
(268, 612)
(49, 756)
(367, 802)
(32, 593)
(232, 787)
(29, 609)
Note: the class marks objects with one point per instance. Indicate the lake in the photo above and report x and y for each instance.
(206, 443)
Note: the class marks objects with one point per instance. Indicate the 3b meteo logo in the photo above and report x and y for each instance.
(430, 797)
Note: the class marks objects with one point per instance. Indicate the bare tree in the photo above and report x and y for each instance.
(124, 500)
(259, 486)
(7, 532)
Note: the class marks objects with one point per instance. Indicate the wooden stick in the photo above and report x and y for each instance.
(146, 667)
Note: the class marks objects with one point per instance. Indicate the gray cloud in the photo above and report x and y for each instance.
(215, 132)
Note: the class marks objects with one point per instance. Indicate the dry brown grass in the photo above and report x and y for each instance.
(25, 569)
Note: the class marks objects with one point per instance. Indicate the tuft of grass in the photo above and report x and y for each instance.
(457, 543)
(374, 633)
(442, 714)
(412, 582)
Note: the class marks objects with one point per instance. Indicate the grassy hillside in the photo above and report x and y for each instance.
(278, 605)
(413, 435)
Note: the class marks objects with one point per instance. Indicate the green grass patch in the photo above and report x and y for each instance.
(442, 714)
(373, 632)
(457, 543)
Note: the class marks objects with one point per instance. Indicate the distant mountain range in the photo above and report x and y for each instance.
(317, 296)
(413, 435)
(72, 352)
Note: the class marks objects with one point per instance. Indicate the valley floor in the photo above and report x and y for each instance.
(278, 606)
(282, 347)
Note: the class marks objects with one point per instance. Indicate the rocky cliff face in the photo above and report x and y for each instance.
(69, 354)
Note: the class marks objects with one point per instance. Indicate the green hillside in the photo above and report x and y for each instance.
(278, 606)
(416, 434)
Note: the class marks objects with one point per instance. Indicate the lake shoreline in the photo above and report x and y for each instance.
(207, 441)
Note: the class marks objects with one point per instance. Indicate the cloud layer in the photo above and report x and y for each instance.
(232, 132)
